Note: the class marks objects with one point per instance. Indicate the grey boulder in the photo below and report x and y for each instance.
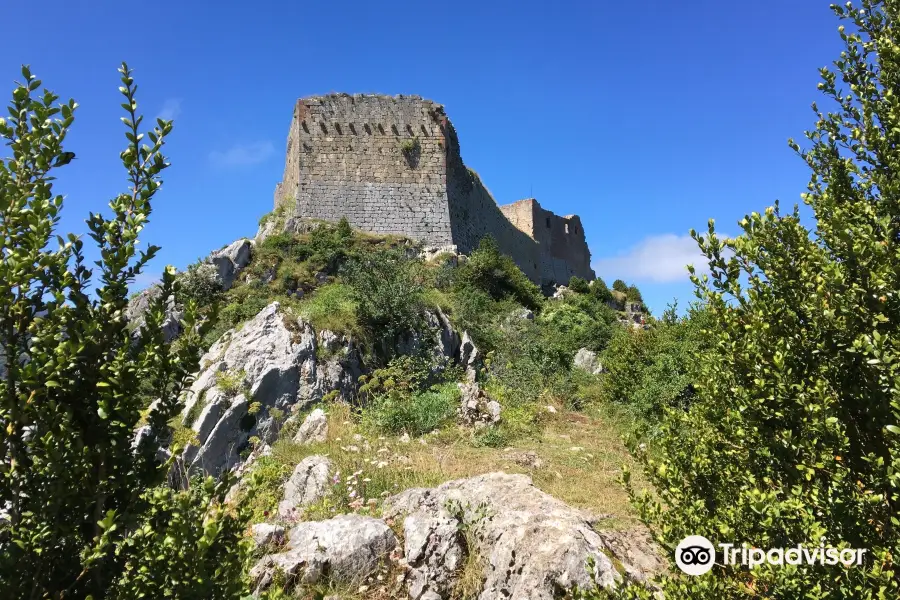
(314, 428)
(230, 260)
(587, 360)
(267, 534)
(532, 544)
(307, 484)
(139, 306)
(343, 550)
(435, 551)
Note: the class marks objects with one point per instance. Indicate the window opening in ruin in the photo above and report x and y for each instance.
(548, 222)
(567, 228)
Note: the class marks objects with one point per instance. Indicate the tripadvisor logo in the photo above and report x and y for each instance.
(696, 555)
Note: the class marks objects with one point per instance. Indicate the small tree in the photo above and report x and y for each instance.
(794, 434)
(620, 286)
(599, 289)
(388, 294)
(88, 516)
(579, 285)
(633, 294)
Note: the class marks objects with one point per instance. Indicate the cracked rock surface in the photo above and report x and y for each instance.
(532, 545)
(345, 549)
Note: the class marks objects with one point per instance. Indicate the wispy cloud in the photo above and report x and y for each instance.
(171, 108)
(656, 259)
(241, 155)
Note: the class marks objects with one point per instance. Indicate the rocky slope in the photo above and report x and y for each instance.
(494, 528)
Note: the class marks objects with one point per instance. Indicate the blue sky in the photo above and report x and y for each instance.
(646, 119)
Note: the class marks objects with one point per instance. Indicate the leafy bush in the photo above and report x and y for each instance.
(599, 289)
(794, 434)
(415, 414)
(524, 362)
(388, 294)
(633, 294)
(577, 322)
(201, 284)
(579, 285)
(332, 307)
(86, 516)
(495, 273)
(176, 548)
(406, 373)
(654, 369)
(620, 286)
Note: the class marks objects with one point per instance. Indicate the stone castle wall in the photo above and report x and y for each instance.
(393, 165)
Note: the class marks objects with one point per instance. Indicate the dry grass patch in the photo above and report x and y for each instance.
(580, 459)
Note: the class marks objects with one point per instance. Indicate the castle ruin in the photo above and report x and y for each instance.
(392, 165)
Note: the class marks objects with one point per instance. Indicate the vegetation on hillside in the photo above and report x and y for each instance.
(768, 414)
(792, 435)
(84, 515)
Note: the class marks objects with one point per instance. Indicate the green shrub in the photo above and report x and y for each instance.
(570, 325)
(201, 284)
(651, 370)
(498, 275)
(417, 413)
(230, 383)
(620, 286)
(386, 286)
(600, 291)
(579, 285)
(86, 516)
(633, 294)
(267, 477)
(332, 307)
(794, 434)
(406, 374)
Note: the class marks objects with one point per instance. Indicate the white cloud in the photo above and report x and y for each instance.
(657, 259)
(171, 109)
(243, 154)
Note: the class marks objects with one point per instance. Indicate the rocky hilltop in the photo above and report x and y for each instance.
(415, 456)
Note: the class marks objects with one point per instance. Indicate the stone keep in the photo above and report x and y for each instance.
(392, 165)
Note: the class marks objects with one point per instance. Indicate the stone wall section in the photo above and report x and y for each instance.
(345, 159)
(350, 156)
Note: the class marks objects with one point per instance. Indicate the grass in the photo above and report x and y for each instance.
(332, 307)
(182, 435)
(581, 453)
(230, 383)
(417, 415)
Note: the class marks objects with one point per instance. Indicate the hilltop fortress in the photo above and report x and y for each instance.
(392, 165)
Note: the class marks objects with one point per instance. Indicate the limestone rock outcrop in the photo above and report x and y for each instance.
(269, 363)
(230, 260)
(313, 429)
(587, 360)
(308, 484)
(267, 534)
(345, 549)
(532, 545)
(140, 304)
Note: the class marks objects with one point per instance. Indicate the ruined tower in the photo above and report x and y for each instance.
(393, 165)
